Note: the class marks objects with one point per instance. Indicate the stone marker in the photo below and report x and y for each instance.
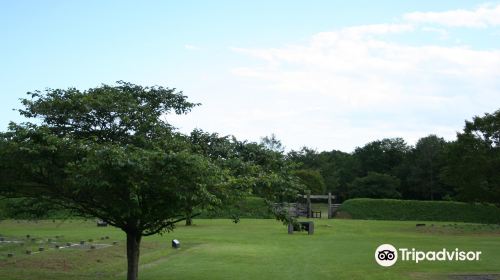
(309, 226)
(176, 244)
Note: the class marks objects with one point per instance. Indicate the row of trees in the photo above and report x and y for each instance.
(467, 169)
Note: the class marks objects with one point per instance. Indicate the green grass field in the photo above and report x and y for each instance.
(252, 249)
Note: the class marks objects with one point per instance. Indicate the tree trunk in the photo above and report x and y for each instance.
(189, 217)
(432, 183)
(133, 246)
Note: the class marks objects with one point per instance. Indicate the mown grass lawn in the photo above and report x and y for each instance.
(251, 249)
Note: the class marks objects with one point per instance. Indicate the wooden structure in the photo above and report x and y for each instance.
(298, 209)
(331, 207)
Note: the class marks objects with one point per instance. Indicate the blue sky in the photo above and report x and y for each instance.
(324, 74)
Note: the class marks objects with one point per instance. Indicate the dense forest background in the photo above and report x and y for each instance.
(467, 169)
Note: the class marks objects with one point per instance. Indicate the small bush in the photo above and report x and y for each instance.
(250, 207)
(414, 210)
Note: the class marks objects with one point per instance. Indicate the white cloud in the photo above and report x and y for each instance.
(483, 16)
(192, 47)
(344, 88)
(443, 33)
(376, 29)
(365, 87)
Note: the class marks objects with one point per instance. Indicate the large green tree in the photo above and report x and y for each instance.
(424, 168)
(375, 185)
(312, 180)
(473, 160)
(107, 152)
(223, 151)
(275, 181)
(382, 156)
(337, 168)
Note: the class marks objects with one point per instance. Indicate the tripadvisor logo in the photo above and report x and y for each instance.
(387, 255)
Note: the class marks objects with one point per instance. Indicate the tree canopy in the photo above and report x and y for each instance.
(107, 152)
(375, 185)
(424, 165)
(473, 161)
(312, 180)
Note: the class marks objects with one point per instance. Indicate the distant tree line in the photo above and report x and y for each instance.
(467, 169)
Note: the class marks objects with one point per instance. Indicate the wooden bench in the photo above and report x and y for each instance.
(316, 214)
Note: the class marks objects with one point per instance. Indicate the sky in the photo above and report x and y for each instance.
(322, 74)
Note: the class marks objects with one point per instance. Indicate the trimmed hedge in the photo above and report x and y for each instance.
(250, 207)
(15, 208)
(415, 210)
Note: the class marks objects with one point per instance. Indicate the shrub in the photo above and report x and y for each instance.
(393, 209)
(250, 207)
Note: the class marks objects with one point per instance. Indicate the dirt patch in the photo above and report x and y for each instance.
(460, 229)
(475, 277)
(342, 215)
(48, 264)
